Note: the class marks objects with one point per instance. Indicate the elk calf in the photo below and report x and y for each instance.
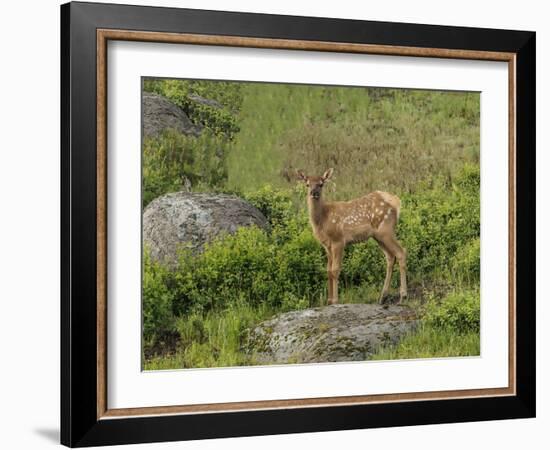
(336, 224)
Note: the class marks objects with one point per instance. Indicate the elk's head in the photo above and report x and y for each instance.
(314, 184)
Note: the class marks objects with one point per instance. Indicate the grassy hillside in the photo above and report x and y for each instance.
(385, 139)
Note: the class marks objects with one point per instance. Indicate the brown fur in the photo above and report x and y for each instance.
(336, 224)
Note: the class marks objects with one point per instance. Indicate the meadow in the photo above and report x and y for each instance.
(421, 145)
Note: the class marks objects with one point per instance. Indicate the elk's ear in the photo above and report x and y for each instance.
(328, 174)
(301, 175)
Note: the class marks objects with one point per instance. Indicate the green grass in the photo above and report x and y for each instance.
(432, 342)
(362, 293)
(211, 339)
(449, 327)
(386, 139)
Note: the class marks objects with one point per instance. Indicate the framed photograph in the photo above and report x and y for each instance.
(278, 224)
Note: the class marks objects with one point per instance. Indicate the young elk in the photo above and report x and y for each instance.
(336, 224)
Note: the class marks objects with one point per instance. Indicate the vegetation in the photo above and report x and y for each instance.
(211, 339)
(386, 139)
(172, 161)
(217, 114)
(450, 328)
(423, 146)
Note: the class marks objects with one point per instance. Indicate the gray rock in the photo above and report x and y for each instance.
(159, 113)
(350, 332)
(204, 101)
(192, 219)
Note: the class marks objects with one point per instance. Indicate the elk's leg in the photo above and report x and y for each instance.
(390, 261)
(337, 255)
(401, 255)
(330, 292)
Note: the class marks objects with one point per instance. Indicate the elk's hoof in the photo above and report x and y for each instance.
(403, 297)
(332, 301)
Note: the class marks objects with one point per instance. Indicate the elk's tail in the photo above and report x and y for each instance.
(392, 200)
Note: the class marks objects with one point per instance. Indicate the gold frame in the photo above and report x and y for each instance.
(103, 36)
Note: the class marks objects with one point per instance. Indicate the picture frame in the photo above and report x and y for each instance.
(86, 29)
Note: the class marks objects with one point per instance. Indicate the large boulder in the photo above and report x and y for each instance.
(350, 332)
(192, 219)
(160, 113)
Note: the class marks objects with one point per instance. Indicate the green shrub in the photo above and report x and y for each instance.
(173, 159)
(438, 221)
(363, 263)
(250, 267)
(468, 179)
(275, 204)
(230, 268)
(300, 269)
(466, 262)
(157, 301)
(459, 311)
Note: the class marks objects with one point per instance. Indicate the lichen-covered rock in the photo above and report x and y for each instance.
(159, 113)
(204, 101)
(333, 333)
(192, 219)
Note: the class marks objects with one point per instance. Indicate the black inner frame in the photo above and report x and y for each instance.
(79, 424)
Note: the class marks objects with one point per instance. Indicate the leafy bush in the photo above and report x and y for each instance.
(285, 267)
(249, 267)
(275, 204)
(300, 268)
(157, 301)
(438, 221)
(219, 119)
(363, 263)
(172, 159)
(466, 262)
(459, 311)
(468, 179)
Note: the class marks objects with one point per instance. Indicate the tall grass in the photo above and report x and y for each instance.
(212, 339)
(386, 139)
(431, 342)
(449, 327)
